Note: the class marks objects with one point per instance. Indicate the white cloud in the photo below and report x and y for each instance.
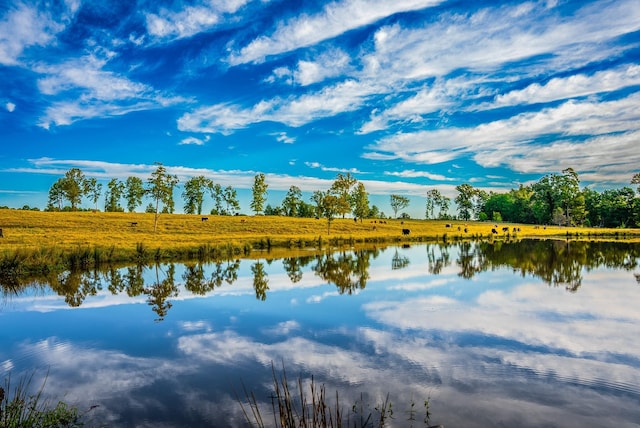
(93, 92)
(191, 140)
(190, 20)
(225, 118)
(578, 85)
(333, 169)
(282, 137)
(332, 63)
(610, 126)
(25, 26)
(10, 106)
(334, 19)
(411, 173)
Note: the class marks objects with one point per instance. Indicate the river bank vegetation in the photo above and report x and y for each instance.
(40, 242)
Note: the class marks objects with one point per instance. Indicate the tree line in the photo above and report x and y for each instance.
(554, 199)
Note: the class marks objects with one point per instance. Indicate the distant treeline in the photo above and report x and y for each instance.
(554, 199)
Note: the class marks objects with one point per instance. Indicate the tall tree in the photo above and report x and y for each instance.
(341, 187)
(360, 199)
(259, 193)
(134, 192)
(329, 206)
(56, 196)
(74, 187)
(160, 188)
(217, 194)
(464, 200)
(230, 197)
(398, 202)
(93, 190)
(115, 189)
(291, 201)
(193, 194)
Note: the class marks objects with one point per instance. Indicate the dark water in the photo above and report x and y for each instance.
(530, 334)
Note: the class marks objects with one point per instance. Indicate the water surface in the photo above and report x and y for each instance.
(535, 333)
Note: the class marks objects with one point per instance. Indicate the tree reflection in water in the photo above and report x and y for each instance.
(557, 263)
(349, 271)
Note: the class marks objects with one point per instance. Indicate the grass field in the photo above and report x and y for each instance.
(122, 235)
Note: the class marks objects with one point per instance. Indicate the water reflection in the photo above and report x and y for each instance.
(490, 332)
(557, 263)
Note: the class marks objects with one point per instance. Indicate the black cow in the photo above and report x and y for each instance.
(494, 231)
(505, 229)
(447, 225)
(205, 218)
(406, 231)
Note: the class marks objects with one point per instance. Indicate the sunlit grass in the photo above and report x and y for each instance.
(111, 236)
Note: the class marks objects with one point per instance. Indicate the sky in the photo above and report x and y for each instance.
(405, 95)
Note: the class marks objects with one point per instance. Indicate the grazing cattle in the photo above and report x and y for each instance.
(375, 228)
(466, 230)
(355, 219)
(205, 218)
(515, 229)
(494, 231)
(447, 225)
(459, 228)
(1, 235)
(406, 231)
(134, 223)
(505, 229)
(518, 229)
(242, 220)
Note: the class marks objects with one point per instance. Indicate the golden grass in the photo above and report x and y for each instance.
(34, 230)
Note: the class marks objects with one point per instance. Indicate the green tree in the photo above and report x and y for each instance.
(329, 206)
(74, 187)
(360, 199)
(341, 188)
(160, 188)
(559, 191)
(134, 192)
(398, 202)
(230, 197)
(115, 189)
(193, 194)
(93, 190)
(435, 199)
(217, 194)
(56, 196)
(260, 280)
(259, 193)
(291, 201)
(464, 200)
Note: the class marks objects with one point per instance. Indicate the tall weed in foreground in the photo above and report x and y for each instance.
(312, 408)
(21, 409)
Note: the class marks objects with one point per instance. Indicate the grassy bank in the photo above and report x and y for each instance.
(52, 240)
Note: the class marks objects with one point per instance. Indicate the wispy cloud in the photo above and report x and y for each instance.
(334, 19)
(332, 169)
(91, 91)
(411, 173)
(25, 26)
(190, 20)
(612, 126)
(297, 111)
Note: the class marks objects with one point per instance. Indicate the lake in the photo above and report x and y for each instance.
(520, 334)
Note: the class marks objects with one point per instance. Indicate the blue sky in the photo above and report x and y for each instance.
(406, 95)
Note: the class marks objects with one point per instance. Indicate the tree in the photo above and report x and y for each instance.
(74, 187)
(360, 199)
(559, 191)
(341, 188)
(115, 189)
(464, 200)
(93, 190)
(259, 192)
(398, 203)
(218, 195)
(56, 196)
(230, 197)
(160, 188)
(329, 206)
(291, 201)
(193, 194)
(436, 199)
(134, 192)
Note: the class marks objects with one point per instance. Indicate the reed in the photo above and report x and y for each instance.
(311, 407)
(19, 408)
